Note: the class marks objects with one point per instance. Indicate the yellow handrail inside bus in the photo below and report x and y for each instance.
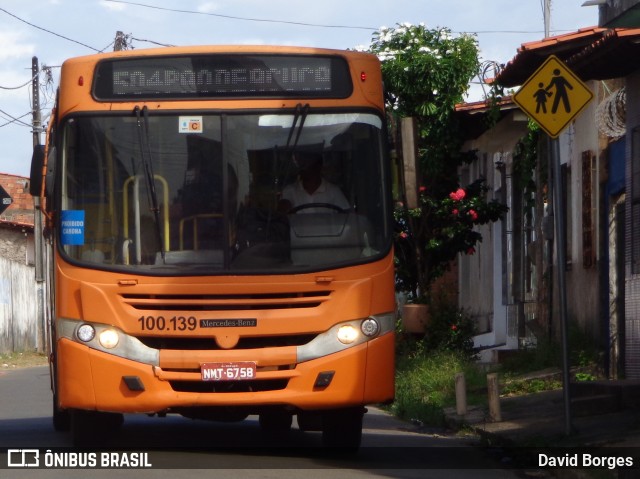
(125, 202)
(195, 219)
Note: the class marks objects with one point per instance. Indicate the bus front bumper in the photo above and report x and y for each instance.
(90, 378)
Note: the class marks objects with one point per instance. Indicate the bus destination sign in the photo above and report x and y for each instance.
(222, 76)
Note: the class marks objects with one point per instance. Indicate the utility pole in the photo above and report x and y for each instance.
(37, 211)
(547, 18)
(120, 42)
(35, 109)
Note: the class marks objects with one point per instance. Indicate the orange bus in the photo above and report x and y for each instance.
(195, 264)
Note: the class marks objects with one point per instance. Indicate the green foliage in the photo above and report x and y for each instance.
(426, 73)
(450, 329)
(425, 384)
(519, 387)
(426, 368)
(525, 158)
(584, 377)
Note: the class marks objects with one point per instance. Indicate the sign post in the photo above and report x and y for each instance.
(553, 96)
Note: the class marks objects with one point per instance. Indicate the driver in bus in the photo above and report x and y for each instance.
(312, 189)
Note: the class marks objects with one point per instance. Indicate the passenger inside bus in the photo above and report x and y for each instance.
(312, 193)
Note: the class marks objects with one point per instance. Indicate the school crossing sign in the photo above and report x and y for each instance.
(553, 96)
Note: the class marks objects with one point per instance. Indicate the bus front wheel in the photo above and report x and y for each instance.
(94, 428)
(61, 417)
(342, 428)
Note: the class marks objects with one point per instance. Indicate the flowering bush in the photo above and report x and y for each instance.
(426, 73)
(430, 236)
(450, 329)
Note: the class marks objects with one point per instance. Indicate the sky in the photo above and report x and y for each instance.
(54, 30)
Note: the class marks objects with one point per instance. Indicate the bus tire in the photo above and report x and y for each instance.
(342, 428)
(94, 428)
(276, 422)
(61, 417)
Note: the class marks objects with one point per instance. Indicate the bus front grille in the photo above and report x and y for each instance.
(225, 302)
(228, 386)
(209, 344)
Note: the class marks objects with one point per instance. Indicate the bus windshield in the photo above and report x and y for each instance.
(190, 194)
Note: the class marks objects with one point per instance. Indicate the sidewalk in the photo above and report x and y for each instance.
(538, 421)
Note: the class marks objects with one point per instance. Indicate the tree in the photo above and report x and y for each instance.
(426, 72)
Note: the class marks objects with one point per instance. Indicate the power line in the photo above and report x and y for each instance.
(246, 19)
(264, 20)
(17, 87)
(151, 41)
(14, 119)
(48, 31)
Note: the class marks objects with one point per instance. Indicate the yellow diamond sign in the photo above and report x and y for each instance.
(553, 96)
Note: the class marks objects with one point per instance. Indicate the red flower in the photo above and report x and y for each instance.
(422, 189)
(473, 214)
(454, 327)
(455, 211)
(458, 195)
(471, 250)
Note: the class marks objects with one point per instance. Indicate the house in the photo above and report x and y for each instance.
(16, 221)
(20, 327)
(485, 284)
(600, 173)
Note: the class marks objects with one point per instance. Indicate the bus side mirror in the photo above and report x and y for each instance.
(51, 172)
(37, 161)
(36, 177)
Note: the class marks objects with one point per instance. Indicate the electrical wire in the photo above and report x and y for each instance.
(48, 31)
(246, 19)
(264, 20)
(14, 119)
(18, 87)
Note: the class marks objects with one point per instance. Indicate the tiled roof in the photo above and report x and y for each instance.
(593, 53)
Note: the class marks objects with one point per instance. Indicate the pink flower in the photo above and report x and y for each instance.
(404, 235)
(422, 189)
(455, 212)
(458, 195)
(454, 327)
(473, 214)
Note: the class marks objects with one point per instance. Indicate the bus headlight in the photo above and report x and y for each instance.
(86, 333)
(370, 327)
(108, 339)
(347, 334)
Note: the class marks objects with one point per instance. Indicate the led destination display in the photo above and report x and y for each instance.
(222, 76)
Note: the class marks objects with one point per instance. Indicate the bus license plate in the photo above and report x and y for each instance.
(228, 371)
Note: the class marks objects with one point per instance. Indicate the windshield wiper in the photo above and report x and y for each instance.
(142, 117)
(301, 115)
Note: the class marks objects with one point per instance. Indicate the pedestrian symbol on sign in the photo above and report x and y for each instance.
(560, 85)
(541, 98)
(553, 96)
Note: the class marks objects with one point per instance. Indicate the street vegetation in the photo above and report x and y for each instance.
(426, 367)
